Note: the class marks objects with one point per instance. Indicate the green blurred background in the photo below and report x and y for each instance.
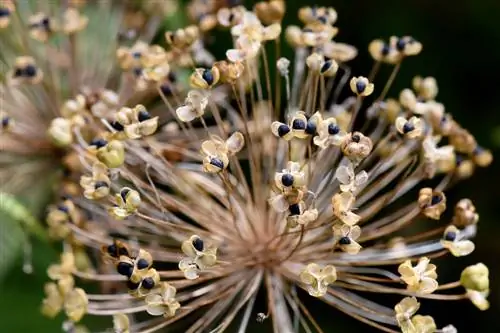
(462, 50)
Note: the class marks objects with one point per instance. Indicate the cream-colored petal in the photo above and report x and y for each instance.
(156, 309)
(462, 248)
(185, 113)
(279, 203)
(427, 285)
(235, 142)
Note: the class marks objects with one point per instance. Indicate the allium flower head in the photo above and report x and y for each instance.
(203, 185)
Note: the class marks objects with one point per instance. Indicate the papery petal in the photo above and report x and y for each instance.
(156, 309)
(279, 203)
(235, 142)
(185, 113)
(462, 248)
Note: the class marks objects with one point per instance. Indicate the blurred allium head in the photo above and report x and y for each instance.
(194, 185)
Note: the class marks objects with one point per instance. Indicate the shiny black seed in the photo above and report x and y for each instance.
(137, 71)
(385, 50)
(29, 71)
(100, 184)
(198, 244)
(435, 200)
(356, 138)
(125, 268)
(4, 12)
(123, 194)
(400, 44)
(142, 264)
(360, 86)
(148, 283)
(143, 116)
(208, 76)
(63, 208)
(166, 89)
(231, 17)
(217, 162)
(123, 251)
(333, 129)
(287, 180)
(136, 55)
(345, 241)
(299, 124)
(310, 128)
(117, 126)
(326, 66)
(45, 23)
(450, 236)
(5, 121)
(283, 130)
(408, 127)
(322, 19)
(112, 250)
(99, 143)
(294, 210)
(132, 285)
(18, 72)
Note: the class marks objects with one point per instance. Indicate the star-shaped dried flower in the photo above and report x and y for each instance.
(127, 202)
(476, 277)
(349, 182)
(411, 128)
(204, 78)
(361, 86)
(426, 88)
(7, 8)
(299, 214)
(149, 280)
(63, 295)
(299, 126)
(111, 154)
(317, 278)
(200, 257)
(342, 208)
(421, 278)
(453, 240)
(465, 214)
(345, 236)
(216, 151)
(329, 134)
(321, 66)
(195, 104)
(25, 71)
(73, 21)
(356, 146)
(163, 302)
(432, 203)
(96, 186)
(291, 177)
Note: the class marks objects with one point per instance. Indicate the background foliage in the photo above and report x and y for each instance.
(461, 50)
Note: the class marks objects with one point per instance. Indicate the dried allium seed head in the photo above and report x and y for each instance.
(243, 188)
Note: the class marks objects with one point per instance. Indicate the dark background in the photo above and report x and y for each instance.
(461, 42)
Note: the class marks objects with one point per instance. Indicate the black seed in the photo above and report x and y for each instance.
(208, 76)
(100, 184)
(132, 285)
(294, 210)
(345, 241)
(231, 17)
(326, 66)
(63, 208)
(137, 71)
(198, 244)
(4, 12)
(124, 268)
(148, 283)
(123, 194)
(217, 162)
(166, 89)
(333, 129)
(172, 77)
(435, 200)
(385, 50)
(450, 236)
(45, 23)
(408, 127)
(356, 138)
(322, 19)
(310, 128)
(5, 121)
(142, 264)
(478, 150)
(123, 251)
(400, 44)
(143, 116)
(136, 55)
(112, 250)
(360, 86)
(287, 180)
(99, 143)
(299, 124)
(117, 126)
(283, 130)
(18, 72)
(29, 71)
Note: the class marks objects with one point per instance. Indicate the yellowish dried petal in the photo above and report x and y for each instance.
(476, 277)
